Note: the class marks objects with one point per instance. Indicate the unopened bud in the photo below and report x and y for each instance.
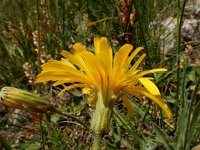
(21, 99)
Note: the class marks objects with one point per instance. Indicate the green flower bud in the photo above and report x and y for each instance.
(21, 99)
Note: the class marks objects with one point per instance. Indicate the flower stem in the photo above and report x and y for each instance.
(180, 12)
(42, 133)
(96, 142)
(73, 118)
(38, 38)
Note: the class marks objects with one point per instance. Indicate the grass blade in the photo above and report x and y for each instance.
(181, 128)
(162, 137)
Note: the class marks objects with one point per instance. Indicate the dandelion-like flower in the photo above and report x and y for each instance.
(106, 79)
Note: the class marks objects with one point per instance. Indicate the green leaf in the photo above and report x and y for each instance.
(75, 93)
(30, 146)
(151, 145)
(192, 76)
(194, 120)
(181, 128)
(33, 146)
(55, 118)
(121, 121)
(20, 51)
(162, 137)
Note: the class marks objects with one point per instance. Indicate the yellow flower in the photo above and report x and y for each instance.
(104, 78)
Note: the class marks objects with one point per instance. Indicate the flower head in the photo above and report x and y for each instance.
(104, 77)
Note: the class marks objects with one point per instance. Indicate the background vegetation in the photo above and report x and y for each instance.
(32, 32)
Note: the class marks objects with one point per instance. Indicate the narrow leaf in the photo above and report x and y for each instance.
(194, 120)
(181, 128)
(162, 137)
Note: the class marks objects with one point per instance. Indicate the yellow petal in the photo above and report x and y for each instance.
(119, 61)
(132, 56)
(61, 82)
(129, 106)
(135, 66)
(106, 49)
(74, 59)
(167, 110)
(86, 90)
(97, 45)
(54, 65)
(160, 102)
(71, 87)
(55, 76)
(136, 51)
(62, 69)
(85, 61)
(67, 63)
(104, 54)
(122, 55)
(150, 86)
(150, 71)
(95, 67)
(78, 47)
(92, 100)
(105, 63)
